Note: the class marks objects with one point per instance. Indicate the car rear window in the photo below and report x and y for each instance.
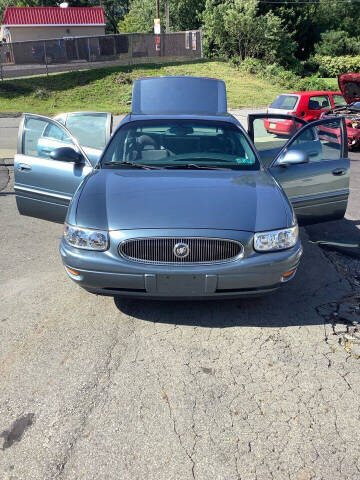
(285, 102)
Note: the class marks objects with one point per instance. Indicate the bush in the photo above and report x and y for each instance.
(41, 93)
(123, 78)
(277, 74)
(249, 65)
(334, 66)
(309, 66)
(337, 43)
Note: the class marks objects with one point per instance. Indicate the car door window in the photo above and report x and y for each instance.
(321, 142)
(90, 129)
(40, 137)
(271, 133)
(339, 100)
(318, 102)
(54, 132)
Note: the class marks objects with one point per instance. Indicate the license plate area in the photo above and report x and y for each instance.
(272, 125)
(180, 284)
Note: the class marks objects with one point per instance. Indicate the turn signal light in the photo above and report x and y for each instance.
(73, 272)
(289, 273)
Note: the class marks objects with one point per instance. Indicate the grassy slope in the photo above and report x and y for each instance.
(109, 89)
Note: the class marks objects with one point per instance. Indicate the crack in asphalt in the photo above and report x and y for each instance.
(344, 320)
(99, 394)
(173, 420)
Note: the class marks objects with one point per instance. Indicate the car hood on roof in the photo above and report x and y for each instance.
(134, 199)
(349, 84)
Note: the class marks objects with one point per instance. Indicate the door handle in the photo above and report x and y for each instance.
(24, 167)
(339, 171)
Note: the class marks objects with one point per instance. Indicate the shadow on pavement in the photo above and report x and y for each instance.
(343, 231)
(295, 304)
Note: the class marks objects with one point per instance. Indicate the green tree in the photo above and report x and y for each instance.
(278, 44)
(306, 21)
(184, 15)
(235, 28)
(243, 27)
(337, 43)
(140, 17)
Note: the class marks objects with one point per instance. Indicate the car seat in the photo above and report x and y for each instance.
(149, 149)
(314, 105)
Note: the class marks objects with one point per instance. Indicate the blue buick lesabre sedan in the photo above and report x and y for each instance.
(180, 201)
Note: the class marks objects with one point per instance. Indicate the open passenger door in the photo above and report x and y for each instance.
(48, 168)
(310, 161)
(45, 181)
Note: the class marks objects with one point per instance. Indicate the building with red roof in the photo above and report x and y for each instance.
(41, 23)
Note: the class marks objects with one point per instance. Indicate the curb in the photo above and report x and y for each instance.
(10, 115)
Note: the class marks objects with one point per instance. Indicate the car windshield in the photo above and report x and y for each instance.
(285, 102)
(180, 144)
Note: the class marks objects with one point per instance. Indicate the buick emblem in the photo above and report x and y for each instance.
(181, 250)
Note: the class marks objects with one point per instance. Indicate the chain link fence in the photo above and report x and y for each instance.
(56, 55)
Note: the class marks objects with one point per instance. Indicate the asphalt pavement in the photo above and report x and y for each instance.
(97, 388)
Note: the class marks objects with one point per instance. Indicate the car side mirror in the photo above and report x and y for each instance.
(66, 154)
(292, 157)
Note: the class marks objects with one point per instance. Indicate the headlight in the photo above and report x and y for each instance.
(276, 240)
(85, 238)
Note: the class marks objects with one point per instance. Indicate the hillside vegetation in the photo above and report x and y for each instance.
(109, 89)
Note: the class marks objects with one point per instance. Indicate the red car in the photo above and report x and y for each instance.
(349, 84)
(306, 105)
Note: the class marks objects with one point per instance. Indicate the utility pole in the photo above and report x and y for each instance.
(167, 19)
(157, 8)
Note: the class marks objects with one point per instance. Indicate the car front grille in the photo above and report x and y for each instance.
(180, 250)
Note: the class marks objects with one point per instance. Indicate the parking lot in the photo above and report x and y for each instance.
(101, 388)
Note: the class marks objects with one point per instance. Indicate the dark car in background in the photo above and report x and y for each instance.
(306, 105)
(349, 84)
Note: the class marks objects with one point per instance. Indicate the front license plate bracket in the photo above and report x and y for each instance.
(180, 285)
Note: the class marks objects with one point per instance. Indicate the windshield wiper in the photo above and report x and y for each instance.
(133, 165)
(194, 166)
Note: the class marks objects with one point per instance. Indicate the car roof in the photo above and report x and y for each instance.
(316, 92)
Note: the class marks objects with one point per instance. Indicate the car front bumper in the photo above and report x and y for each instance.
(105, 273)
